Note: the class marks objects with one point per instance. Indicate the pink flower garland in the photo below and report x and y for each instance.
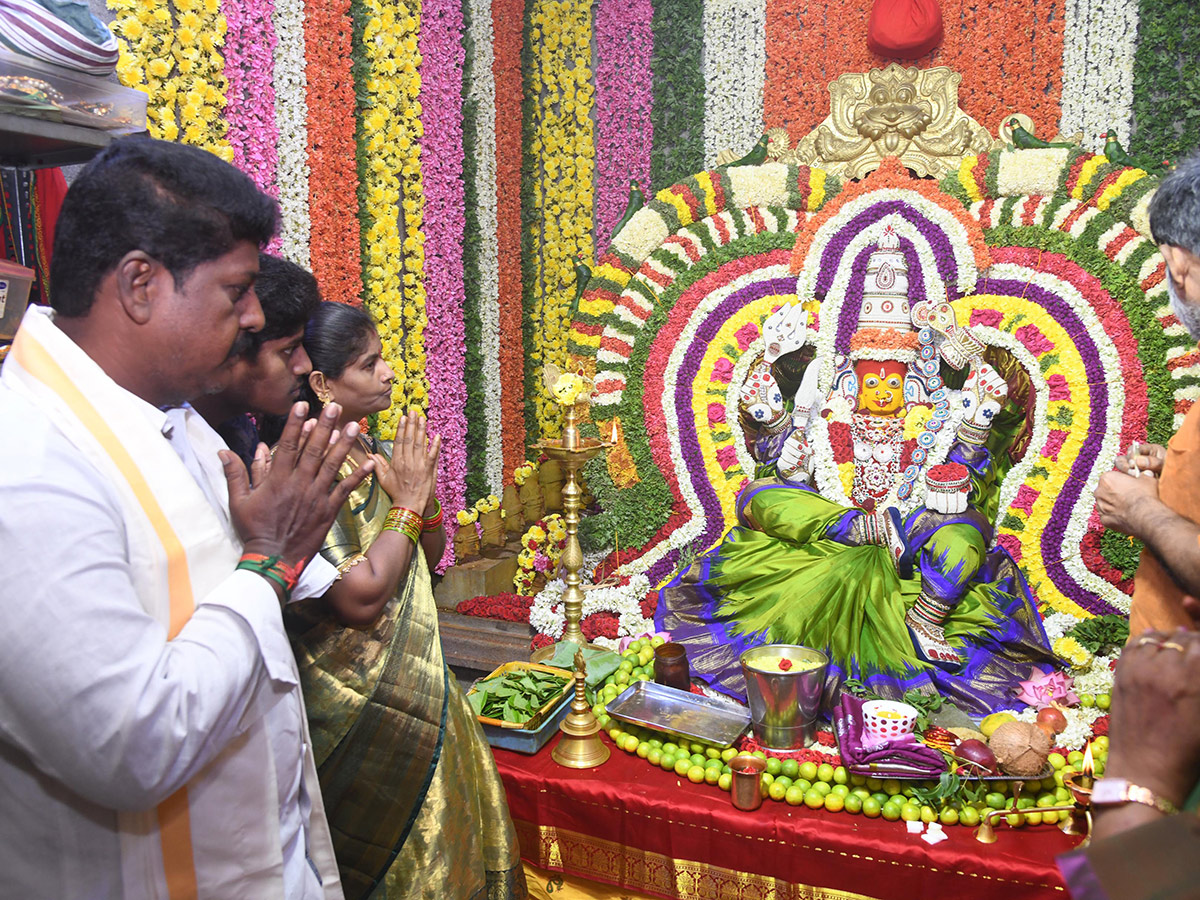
(250, 102)
(624, 132)
(441, 50)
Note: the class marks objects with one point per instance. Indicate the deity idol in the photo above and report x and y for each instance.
(868, 530)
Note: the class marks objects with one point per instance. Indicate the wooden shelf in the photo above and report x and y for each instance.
(29, 143)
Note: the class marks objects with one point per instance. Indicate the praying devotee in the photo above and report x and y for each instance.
(268, 375)
(1143, 845)
(1164, 511)
(152, 733)
(415, 803)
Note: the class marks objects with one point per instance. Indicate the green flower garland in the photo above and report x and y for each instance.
(1166, 69)
(678, 90)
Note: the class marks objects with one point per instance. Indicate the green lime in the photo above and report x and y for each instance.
(969, 816)
(671, 748)
(880, 797)
(654, 757)
(1050, 816)
(713, 763)
(766, 779)
(910, 812)
(928, 814)
(784, 780)
(657, 641)
(712, 752)
(1045, 800)
(1057, 760)
(858, 780)
(777, 791)
(794, 795)
(729, 753)
(891, 811)
(695, 748)
(872, 808)
(1087, 701)
(825, 772)
(834, 802)
(683, 764)
(643, 749)
(814, 799)
(791, 768)
(1103, 701)
(995, 800)
(840, 789)
(853, 804)
(840, 775)
(1016, 820)
(948, 816)
(725, 780)
(891, 787)
(622, 678)
(774, 765)
(808, 771)
(823, 786)
(698, 759)
(761, 754)
(712, 776)
(667, 761)
(626, 665)
(874, 783)
(695, 774)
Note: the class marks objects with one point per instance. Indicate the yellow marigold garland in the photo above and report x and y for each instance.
(171, 50)
(394, 282)
(563, 150)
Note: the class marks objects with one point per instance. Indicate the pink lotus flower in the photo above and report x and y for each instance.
(1045, 688)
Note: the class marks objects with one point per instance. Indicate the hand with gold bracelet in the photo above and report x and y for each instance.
(409, 479)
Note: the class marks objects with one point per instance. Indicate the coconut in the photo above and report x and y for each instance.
(1021, 748)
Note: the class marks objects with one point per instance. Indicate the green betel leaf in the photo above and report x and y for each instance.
(477, 700)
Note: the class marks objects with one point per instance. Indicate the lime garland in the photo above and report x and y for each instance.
(951, 800)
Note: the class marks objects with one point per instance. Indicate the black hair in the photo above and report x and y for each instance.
(335, 336)
(1175, 207)
(181, 205)
(289, 296)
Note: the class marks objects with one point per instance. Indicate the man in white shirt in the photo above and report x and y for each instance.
(153, 742)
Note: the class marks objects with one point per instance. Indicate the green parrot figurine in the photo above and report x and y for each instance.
(583, 274)
(1115, 153)
(756, 157)
(1025, 140)
(636, 201)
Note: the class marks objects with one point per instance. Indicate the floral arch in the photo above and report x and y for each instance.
(1044, 252)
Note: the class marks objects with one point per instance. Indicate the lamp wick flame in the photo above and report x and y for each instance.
(614, 430)
(1088, 768)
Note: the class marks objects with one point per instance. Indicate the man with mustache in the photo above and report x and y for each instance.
(1154, 495)
(267, 368)
(153, 738)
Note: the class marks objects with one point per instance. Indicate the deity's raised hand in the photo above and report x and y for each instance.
(983, 394)
(795, 459)
(808, 395)
(761, 397)
(784, 330)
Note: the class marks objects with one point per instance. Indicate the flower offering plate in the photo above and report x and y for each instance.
(679, 712)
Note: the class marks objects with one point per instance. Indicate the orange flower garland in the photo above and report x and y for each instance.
(508, 18)
(333, 176)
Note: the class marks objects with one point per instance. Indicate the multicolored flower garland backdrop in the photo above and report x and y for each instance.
(445, 163)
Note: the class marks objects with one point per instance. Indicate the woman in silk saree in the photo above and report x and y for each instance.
(414, 801)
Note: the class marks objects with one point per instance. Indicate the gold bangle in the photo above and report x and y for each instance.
(407, 521)
(349, 564)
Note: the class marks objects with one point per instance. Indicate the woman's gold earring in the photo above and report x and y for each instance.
(324, 395)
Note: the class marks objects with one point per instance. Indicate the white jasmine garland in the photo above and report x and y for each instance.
(546, 614)
(1099, 41)
(482, 90)
(291, 120)
(735, 58)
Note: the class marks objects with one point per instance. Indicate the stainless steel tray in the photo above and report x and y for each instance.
(680, 712)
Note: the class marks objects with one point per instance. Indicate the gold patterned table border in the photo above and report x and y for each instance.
(549, 847)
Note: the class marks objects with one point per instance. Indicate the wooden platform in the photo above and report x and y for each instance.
(478, 644)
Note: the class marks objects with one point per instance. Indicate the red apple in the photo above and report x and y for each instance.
(1052, 718)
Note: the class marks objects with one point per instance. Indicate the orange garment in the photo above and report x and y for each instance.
(1157, 599)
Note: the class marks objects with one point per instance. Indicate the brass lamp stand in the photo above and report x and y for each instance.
(572, 452)
(580, 746)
